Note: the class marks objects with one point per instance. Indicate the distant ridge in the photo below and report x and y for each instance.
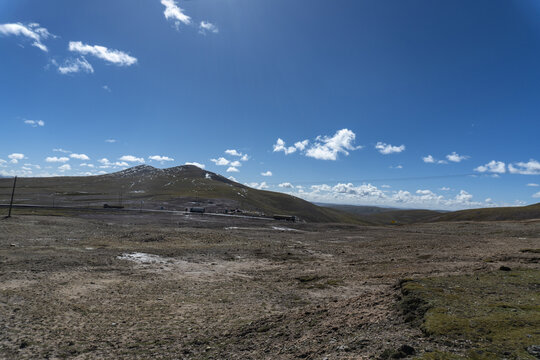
(386, 216)
(493, 214)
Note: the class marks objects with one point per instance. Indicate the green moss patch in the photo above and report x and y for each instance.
(484, 316)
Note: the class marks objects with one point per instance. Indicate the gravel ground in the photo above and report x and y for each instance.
(175, 287)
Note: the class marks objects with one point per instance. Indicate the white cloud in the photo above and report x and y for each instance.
(537, 195)
(286, 185)
(455, 157)
(348, 193)
(172, 11)
(110, 141)
(328, 148)
(131, 158)
(106, 164)
(53, 159)
(87, 165)
(532, 167)
(244, 157)
(221, 161)
(62, 151)
(386, 149)
(260, 186)
(15, 157)
(364, 190)
(116, 57)
(532, 184)
(3, 163)
(301, 145)
(205, 27)
(232, 178)
(280, 146)
(106, 88)
(79, 157)
(444, 188)
(232, 169)
(493, 166)
(319, 188)
(233, 152)
(202, 166)
(64, 167)
(76, 65)
(35, 123)
(160, 158)
(428, 159)
(31, 31)
(266, 173)
(236, 163)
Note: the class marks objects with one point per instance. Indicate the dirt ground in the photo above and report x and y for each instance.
(162, 286)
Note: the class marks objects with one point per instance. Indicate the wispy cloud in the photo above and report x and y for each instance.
(113, 56)
(537, 195)
(455, 157)
(533, 185)
(35, 123)
(55, 159)
(72, 66)
(205, 27)
(61, 150)
(32, 31)
(160, 158)
(65, 167)
(286, 185)
(232, 169)
(106, 88)
(267, 173)
(110, 141)
(105, 163)
(532, 167)
(131, 158)
(174, 12)
(386, 149)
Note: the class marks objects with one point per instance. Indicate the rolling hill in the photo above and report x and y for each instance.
(493, 214)
(174, 189)
(385, 216)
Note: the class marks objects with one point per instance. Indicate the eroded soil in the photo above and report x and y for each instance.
(160, 286)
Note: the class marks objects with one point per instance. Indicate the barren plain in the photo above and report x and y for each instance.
(174, 286)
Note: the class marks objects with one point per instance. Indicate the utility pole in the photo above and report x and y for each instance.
(12, 194)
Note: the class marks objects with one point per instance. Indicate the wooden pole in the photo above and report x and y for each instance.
(12, 195)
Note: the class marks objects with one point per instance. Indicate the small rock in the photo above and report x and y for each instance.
(505, 268)
(534, 350)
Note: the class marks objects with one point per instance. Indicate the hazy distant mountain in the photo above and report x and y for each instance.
(493, 214)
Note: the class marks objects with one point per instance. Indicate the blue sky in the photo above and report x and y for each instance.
(399, 103)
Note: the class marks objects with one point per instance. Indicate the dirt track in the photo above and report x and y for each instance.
(143, 286)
